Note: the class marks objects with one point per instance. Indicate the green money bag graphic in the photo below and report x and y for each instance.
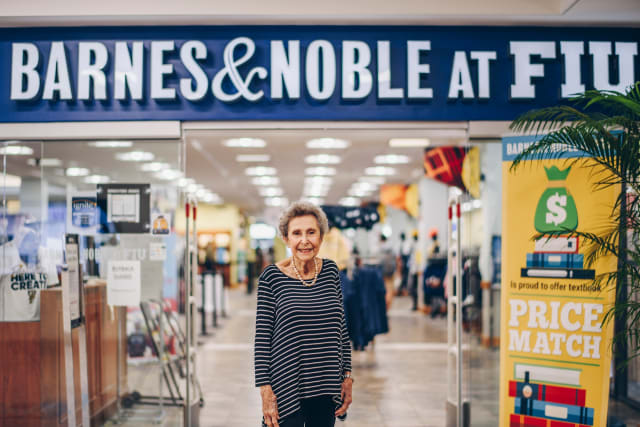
(556, 211)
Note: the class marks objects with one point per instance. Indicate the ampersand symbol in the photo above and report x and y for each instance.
(231, 70)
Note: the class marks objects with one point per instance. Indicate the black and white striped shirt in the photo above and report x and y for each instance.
(302, 346)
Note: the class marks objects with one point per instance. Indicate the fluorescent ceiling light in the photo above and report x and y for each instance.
(265, 180)
(409, 142)
(274, 201)
(263, 231)
(169, 174)
(380, 171)
(135, 156)
(323, 159)
(16, 150)
(320, 170)
(183, 182)
(260, 171)
(328, 143)
(10, 181)
(245, 143)
(96, 179)
(45, 162)
(392, 159)
(211, 198)
(111, 144)
(377, 180)
(192, 188)
(364, 186)
(315, 200)
(318, 180)
(154, 166)
(350, 201)
(77, 172)
(253, 158)
(271, 191)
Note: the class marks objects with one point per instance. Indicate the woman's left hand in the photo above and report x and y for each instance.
(346, 396)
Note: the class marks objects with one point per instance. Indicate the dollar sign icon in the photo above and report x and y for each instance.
(557, 213)
(556, 209)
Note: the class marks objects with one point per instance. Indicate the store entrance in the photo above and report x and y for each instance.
(348, 169)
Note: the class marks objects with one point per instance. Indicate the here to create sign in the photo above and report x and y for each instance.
(305, 72)
(555, 354)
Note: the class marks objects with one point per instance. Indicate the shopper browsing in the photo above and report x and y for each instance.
(302, 348)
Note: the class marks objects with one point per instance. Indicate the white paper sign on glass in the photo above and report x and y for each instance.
(123, 283)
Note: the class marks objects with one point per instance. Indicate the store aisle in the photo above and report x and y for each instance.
(401, 382)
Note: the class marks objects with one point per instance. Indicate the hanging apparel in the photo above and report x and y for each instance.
(335, 247)
(365, 305)
(20, 286)
(302, 347)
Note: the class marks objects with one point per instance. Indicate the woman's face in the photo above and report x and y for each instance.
(303, 237)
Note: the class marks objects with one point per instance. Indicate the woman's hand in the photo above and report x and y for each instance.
(345, 394)
(269, 406)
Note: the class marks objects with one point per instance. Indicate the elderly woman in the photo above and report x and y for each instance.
(302, 348)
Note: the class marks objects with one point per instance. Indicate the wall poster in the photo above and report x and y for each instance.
(124, 208)
(555, 358)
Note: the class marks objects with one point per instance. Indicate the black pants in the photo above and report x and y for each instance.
(314, 412)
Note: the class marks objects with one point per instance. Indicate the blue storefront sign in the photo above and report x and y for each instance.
(305, 73)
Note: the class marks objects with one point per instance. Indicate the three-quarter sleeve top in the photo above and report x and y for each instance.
(302, 346)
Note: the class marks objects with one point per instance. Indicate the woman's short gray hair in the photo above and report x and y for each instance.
(301, 208)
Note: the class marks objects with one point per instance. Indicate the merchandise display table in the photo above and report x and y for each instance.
(33, 369)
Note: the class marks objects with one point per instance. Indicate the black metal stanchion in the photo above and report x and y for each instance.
(203, 320)
(215, 301)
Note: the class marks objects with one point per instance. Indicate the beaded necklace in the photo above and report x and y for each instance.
(315, 277)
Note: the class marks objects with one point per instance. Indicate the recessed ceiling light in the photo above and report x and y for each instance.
(135, 156)
(154, 166)
(45, 162)
(16, 150)
(328, 143)
(111, 144)
(245, 143)
(392, 159)
(320, 170)
(364, 186)
(271, 192)
(380, 171)
(409, 142)
(358, 193)
(265, 180)
(253, 158)
(350, 201)
(276, 201)
(318, 180)
(96, 179)
(193, 187)
(316, 193)
(77, 172)
(377, 180)
(315, 200)
(169, 174)
(323, 159)
(211, 198)
(260, 171)
(183, 182)
(10, 181)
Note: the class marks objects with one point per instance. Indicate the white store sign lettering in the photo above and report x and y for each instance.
(321, 70)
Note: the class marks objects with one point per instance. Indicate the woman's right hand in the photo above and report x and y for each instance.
(269, 406)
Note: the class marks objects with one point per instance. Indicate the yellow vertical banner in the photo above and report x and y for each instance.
(555, 356)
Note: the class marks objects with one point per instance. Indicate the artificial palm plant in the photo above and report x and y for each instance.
(606, 126)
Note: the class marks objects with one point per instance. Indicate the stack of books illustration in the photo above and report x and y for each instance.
(539, 404)
(556, 257)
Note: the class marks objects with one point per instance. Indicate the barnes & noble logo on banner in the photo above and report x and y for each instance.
(323, 73)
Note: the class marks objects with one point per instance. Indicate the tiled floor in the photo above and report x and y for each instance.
(401, 381)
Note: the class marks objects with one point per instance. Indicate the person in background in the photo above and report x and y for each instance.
(388, 262)
(302, 348)
(406, 248)
(416, 266)
(251, 267)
